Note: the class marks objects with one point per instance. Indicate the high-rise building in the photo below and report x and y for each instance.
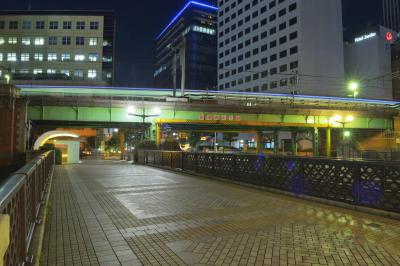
(186, 50)
(58, 47)
(369, 60)
(281, 46)
(391, 14)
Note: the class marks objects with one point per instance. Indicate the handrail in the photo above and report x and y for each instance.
(372, 184)
(21, 195)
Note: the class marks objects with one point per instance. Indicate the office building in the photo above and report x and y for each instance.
(58, 47)
(368, 60)
(288, 46)
(391, 14)
(186, 50)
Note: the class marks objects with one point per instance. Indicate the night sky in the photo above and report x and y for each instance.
(139, 21)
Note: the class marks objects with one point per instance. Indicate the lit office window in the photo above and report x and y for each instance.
(2, 40)
(109, 75)
(40, 25)
(94, 57)
(26, 25)
(24, 71)
(79, 57)
(38, 57)
(78, 73)
(39, 41)
(94, 25)
(53, 25)
(25, 57)
(37, 71)
(92, 73)
(52, 40)
(92, 41)
(51, 57)
(26, 41)
(12, 40)
(204, 30)
(65, 57)
(66, 40)
(1, 57)
(80, 25)
(65, 72)
(11, 57)
(1, 73)
(80, 41)
(107, 59)
(51, 71)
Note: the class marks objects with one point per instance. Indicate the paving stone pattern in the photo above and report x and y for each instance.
(114, 213)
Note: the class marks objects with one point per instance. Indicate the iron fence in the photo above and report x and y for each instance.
(21, 197)
(363, 183)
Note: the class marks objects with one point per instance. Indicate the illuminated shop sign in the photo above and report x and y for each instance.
(365, 37)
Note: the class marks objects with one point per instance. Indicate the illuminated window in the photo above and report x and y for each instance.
(24, 71)
(51, 71)
(11, 57)
(80, 25)
(109, 75)
(39, 41)
(1, 40)
(107, 59)
(78, 73)
(13, 25)
(92, 41)
(1, 57)
(79, 57)
(26, 41)
(94, 57)
(37, 71)
(12, 40)
(52, 57)
(65, 57)
(94, 25)
(80, 41)
(65, 72)
(26, 25)
(25, 57)
(38, 57)
(53, 25)
(52, 40)
(66, 40)
(92, 73)
(40, 25)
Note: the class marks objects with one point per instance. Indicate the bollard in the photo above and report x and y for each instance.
(5, 236)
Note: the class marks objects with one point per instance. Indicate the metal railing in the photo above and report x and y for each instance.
(361, 183)
(21, 197)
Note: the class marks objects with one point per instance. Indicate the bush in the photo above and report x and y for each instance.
(57, 152)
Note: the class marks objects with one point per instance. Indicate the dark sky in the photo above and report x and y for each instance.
(139, 21)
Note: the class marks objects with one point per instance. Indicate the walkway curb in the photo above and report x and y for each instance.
(381, 213)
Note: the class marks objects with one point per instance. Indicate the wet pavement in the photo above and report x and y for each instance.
(115, 213)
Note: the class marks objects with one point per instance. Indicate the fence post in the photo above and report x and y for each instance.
(170, 160)
(213, 156)
(196, 159)
(302, 176)
(357, 181)
(182, 160)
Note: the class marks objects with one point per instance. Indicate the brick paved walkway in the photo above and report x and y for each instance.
(112, 213)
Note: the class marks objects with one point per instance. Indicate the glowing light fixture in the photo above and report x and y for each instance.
(346, 133)
(156, 110)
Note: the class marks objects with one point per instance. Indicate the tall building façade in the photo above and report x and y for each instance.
(186, 50)
(281, 46)
(58, 47)
(391, 14)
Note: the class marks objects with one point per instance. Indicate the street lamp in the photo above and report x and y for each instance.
(155, 113)
(353, 87)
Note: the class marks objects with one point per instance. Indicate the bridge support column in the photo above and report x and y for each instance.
(158, 135)
(122, 142)
(276, 141)
(294, 143)
(260, 148)
(328, 143)
(12, 125)
(316, 142)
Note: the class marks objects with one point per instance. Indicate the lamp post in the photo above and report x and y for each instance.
(353, 86)
(143, 115)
